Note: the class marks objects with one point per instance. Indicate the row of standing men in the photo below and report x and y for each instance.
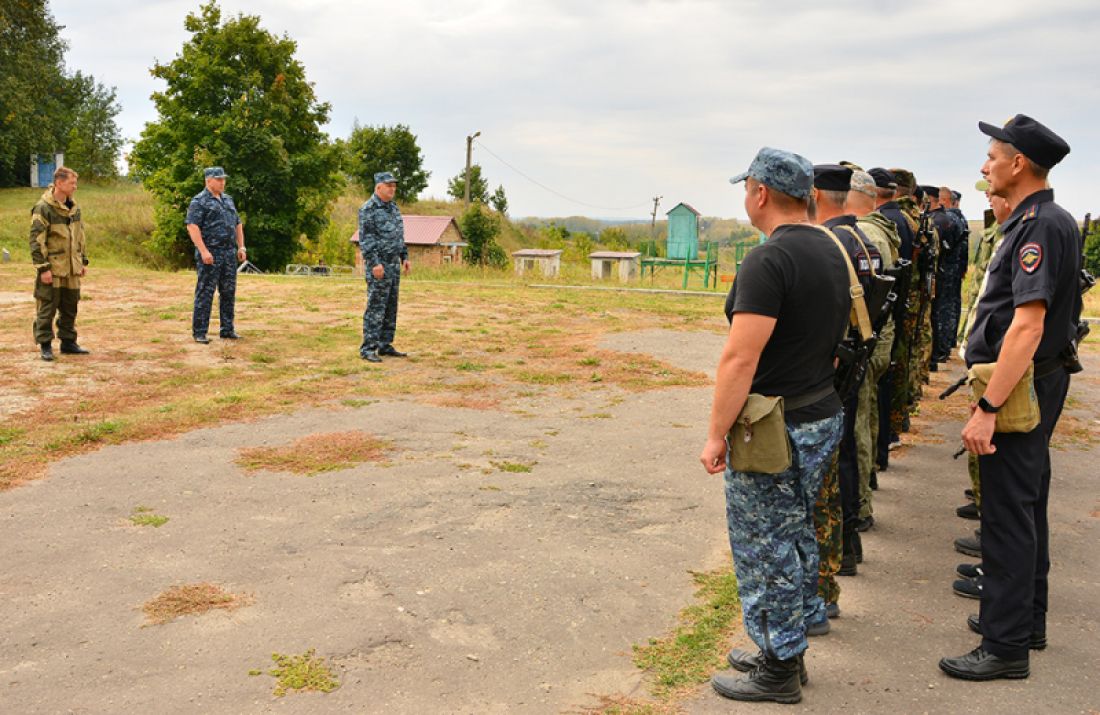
(793, 532)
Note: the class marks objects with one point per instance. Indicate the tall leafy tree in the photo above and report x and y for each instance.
(236, 97)
(479, 187)
(499, 200)
(480, 228)
(42, 108)
(372, 149)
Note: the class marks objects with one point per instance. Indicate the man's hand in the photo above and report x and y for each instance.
(241, 255)
(378, 272)
(83, 271)
(977, 435)
(207, 257)
(46, 277)
(714, 456)
(407, 266)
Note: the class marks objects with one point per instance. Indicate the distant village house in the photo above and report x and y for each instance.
(432, 241)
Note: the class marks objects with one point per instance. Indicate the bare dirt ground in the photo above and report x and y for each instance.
(439, 582)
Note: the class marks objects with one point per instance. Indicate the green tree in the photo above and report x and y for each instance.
(614, 238)
(480, 229)
(372, 149)
(1092, 251)
(236, 97)
(499, 201)
(479, 187)
(93, 141)
(40, 104)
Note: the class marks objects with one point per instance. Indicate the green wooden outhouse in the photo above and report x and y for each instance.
(683, 232)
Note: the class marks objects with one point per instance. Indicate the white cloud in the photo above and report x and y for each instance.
(616, 101)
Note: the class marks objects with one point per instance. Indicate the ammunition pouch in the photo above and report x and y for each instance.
(903, 277)
(881, 299)
(758, 441)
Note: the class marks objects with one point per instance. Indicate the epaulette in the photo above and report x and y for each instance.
(1030, 213)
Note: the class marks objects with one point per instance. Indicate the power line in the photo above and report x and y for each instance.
(558, 193)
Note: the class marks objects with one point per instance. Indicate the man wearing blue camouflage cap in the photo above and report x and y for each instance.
(216, 230)
(382, 243)
(788, 310)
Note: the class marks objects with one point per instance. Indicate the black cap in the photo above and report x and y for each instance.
(929, 190)
(957, 195)
(884, 179)
(832, 177)
(1034, 140)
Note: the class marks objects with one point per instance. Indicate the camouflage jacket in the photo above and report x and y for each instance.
(381, 232)
(217, 219)
(983, 254)
(884, 233)
(57, 239)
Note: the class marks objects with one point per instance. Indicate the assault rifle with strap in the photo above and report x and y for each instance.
(925, 251)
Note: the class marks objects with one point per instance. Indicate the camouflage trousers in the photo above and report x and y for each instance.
(380, 315)
(57, 299)
(829, 528)
(771, 531)
(222, 275)
(975, 478)
(912, 352)
(867, 422)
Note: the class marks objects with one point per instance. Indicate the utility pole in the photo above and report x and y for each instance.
(469, 150)
(653, 222)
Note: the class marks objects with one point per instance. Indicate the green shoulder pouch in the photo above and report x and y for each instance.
(758, 440)
(1020, 412)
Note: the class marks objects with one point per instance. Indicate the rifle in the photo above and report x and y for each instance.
(924, 258)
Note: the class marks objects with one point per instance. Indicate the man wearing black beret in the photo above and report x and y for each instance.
(1027, 315)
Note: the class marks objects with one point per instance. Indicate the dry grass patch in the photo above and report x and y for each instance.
(470, 403)
(316, 453)
(622, 705)
(192, 599)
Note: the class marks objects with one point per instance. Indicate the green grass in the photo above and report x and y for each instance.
(301, 673)
(696, 648)
(144, 516)
(98, 431)
(514, 467)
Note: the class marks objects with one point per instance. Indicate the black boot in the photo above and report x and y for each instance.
(70, 347)
(747, 661)
(774, 680)
(47, 350)
(848, 555)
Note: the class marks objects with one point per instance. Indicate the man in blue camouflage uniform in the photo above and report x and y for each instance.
(218, 234)
(382, 243)
(788, 310)
(948, 301)
(960, 260)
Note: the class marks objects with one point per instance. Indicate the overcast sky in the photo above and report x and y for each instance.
(613, 102)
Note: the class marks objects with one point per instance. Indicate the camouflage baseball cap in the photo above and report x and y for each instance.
(214, 172)
(781, 170)
(864, 183)
(384, 177)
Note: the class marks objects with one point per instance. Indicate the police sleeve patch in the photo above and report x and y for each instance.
(1031, 255)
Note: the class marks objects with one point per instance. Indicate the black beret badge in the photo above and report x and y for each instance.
(1031, 255)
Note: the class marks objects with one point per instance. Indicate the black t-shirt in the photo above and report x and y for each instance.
(1039, 259)
(854, 239)
(892, 211)
(798, 276)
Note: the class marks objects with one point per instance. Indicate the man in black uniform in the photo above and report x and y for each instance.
(1028, 312)
(831, 185)
(948, 284)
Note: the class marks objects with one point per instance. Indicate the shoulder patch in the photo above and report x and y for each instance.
(1031, 255)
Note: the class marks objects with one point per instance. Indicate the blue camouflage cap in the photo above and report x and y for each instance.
(781, 170)
(384, 177)
(214, 172)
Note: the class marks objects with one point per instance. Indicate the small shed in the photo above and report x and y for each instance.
(683, 232)
(545, 259)
(605, 263)
(432, 241)
(42, 168)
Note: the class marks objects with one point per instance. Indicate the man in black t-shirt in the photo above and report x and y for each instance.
(1027, 314)
(789, 308)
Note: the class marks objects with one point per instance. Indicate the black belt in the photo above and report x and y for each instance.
(797, 402)
(1049, 366)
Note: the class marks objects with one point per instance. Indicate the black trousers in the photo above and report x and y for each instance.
(1015, 538)
(848, 464)
(885, 396)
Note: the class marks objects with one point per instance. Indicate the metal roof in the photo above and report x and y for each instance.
(423, 230)
(689, 207)
(614, 254)
(538, 252)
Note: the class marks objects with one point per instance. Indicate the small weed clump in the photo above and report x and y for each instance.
(191, 599)
(144, 516)
(514, 467)
(316, 453)
(302, 673)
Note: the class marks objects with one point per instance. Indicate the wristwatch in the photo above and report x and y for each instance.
(985, 406)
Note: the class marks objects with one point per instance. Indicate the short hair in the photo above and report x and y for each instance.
(885, 192)
(63, 172)
(1040, 172)
(836, 198)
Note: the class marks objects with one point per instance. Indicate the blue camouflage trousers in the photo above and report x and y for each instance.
(221, 274)
(946, 308)
(775, 552)
(380, 316)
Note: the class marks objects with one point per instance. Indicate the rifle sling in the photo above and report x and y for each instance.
(859, 318)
